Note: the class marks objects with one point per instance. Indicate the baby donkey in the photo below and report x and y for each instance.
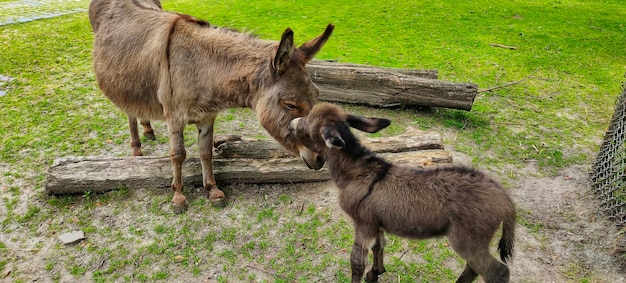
(454, 201)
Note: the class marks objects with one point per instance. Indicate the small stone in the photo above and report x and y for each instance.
(72, 237)
(4, 78)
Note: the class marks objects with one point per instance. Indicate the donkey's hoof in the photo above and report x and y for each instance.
(217, 197)
(218, 202)
(179, 203)
(149, 136)
(372, 276)
(180, 208)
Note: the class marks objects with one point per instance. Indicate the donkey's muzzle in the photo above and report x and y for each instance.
(311, 159)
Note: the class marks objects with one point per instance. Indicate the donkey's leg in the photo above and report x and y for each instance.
(205, 147)
(177, 155)
(358, 259)
(135, 142)
(468, 275)
(463, 244)
(484, 264)
(475, 251)
(148, 132)
(378, 267)
(498, 272)
(363, 238)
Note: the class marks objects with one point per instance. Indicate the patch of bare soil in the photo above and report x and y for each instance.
(567, 238)
(574, 233)
(564, 237)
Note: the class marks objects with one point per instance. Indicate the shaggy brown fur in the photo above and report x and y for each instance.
(154, 64)
(458, 202)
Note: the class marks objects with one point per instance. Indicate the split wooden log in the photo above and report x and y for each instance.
(235, 162)
(388, 87)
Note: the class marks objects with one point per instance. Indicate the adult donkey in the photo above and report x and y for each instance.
(155, 64)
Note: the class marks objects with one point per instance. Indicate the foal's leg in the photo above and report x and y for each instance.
(177, 155)
(468, 275)
(148, 132)
(363, 238)
(499, 273)
(378, 267)
(205, 147)
(483, 263)
(135, 142)
(479, 261)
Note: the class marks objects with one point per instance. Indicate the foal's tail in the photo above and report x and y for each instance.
(508, 235)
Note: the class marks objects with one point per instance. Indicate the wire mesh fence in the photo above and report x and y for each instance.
(608, 175)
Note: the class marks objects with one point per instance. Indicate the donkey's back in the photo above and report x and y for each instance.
(448, 195)
(98, 9)
(129, 53)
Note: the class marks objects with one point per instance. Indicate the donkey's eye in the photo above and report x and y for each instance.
(290, 106)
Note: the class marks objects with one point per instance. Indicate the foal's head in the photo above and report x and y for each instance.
(328, 127)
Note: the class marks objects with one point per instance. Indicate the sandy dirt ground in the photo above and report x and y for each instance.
(565, 233)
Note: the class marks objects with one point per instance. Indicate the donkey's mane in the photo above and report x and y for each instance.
(248, 37)
(354, 151)
(194, 20)
(353, 146)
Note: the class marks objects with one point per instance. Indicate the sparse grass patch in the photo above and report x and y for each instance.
(524, 218)
(3, 250)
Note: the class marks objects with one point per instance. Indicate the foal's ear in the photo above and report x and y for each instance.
(332, 138)
(369, 125)
(313, 46)
(283, 54)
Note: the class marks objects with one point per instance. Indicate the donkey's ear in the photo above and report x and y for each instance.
(284, 51)
(332, 138)
(369, 125)
(314, 45)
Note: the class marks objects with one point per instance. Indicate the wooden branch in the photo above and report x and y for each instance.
(503, 46)
(383, 87)
(508, 84)
(76, 175)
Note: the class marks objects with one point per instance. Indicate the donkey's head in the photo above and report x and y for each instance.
(291, 93)
(328, 126)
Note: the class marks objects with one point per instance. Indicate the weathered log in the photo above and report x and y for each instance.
(76, 175)
(383, 87)
(255, 149)
(321, 65)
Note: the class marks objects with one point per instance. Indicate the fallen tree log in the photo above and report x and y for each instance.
(255, 149)
(388, 87)
(321, 65)
(77, 175)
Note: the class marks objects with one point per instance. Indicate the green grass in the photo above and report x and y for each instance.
(53, 108)
(571, 48)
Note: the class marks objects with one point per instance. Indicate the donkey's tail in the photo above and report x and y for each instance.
(508, 235)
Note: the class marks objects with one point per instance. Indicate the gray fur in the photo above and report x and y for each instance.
(459, 202)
